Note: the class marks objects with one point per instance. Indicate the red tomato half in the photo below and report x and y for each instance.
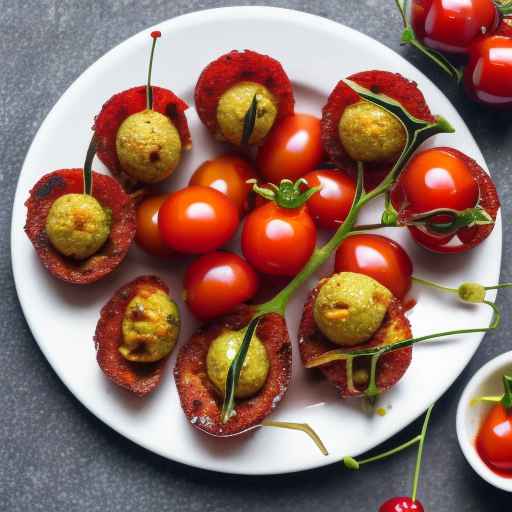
(452, 25)
(197, 220)
(292, 149)
(330, 205)
(378, 257)
(278, 241)
(494, 441)
(488, 74)
(218, 282)
(148, 235)
(227, 174)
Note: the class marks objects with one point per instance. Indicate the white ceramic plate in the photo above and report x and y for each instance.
(316, 53)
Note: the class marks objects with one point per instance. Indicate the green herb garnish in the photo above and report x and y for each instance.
(250, 121)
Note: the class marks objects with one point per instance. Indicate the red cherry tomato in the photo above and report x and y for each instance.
(218, 282)
(452, 25)
(488, 74)
(494, 441)
(278, 241)
(292, 149)
(401, 504)
(148, 235)
(435, 178)
(330, 205)
(227, 174)
(197, 220)
(378, 257)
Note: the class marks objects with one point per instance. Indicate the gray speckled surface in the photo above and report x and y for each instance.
(56, 456)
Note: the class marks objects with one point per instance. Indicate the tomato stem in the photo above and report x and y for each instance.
(288, 194)
(149, 89)
(431, 284)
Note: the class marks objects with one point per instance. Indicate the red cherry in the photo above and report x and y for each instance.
(401, 504)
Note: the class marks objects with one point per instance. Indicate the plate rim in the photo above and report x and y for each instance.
(292, 15)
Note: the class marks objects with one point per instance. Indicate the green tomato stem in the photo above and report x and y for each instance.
(498, 286)
(431, 284)
(387, 454)
(420, 453)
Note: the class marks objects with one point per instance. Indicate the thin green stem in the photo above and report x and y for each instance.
(401, 8)
(431, 284)
(87, 173)
(498, 286)
(149, 89)
(397, 449)
(420, 453)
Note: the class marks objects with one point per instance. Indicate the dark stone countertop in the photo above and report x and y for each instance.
(55, 455)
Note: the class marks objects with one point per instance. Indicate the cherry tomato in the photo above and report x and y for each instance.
(452, 25)
(292, 149)
(278, 241)
(435, 178)
(227, 174)
(401, 504)
(330, 205)
(218, 282)
(197, 220)
(488, 74)
(494, 441)
(378, 257)
(148, 235)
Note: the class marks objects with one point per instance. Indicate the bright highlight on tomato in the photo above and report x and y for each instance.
(227, 174)
(218, 282)
(292, 149)
(197, 220)
(330, 205)
(452, 25)
(278, 241)
(378, 257)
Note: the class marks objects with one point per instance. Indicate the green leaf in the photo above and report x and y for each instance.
(249, 121)
(87, 173)
(507, 397)
(233, 375)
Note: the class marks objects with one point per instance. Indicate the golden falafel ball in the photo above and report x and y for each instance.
(77, 225)
(370, 134)
(233, 106)
(148, 146)
(350, 308)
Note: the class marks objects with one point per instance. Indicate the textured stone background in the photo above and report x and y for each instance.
(56, 456)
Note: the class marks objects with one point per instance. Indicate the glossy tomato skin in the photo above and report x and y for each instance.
(378, 257)
(227, 174)
(451, 26)
(494, 441)
(435, 178)
(488, 74)
(148, 235)
(292, 149)
(197, 220)
(331, 204)
(278, 241)
(401, 504)
(218, 282)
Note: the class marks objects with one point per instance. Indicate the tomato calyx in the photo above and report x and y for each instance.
(504, 7)
(409, 37)
(452, 220)
(287, 194)
(505, 400)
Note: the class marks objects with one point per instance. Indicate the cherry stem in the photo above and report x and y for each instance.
(498, 286)
(149, 89)
(387, 454)
(431, 284)
(420, 453)
(87, 173)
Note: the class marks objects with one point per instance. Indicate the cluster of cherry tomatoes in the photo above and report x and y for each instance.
(277, 241)
(476, 32)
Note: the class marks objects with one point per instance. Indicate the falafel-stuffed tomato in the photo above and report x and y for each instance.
(79, 238)
(142, 132)
(353, 129)
(241, 95)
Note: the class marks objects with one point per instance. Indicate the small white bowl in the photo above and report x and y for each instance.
(486, 382)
